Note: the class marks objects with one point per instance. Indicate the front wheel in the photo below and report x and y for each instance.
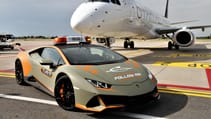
(170, 45)
(176, 47)
(19, 73)
(64, 93)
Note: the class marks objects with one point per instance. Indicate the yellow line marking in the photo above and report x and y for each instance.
(205, 94)
(184, 93)
(187, 91)
(7, 76)
(7, 73)
(191, 55)
(187, 55)
(184, 64)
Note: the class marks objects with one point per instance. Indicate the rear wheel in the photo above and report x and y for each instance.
(64, 93)
(19, 73)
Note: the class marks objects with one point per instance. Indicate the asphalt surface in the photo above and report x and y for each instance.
(185, 90)
(174, 106)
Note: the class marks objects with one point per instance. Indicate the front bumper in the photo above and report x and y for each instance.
(101, 102)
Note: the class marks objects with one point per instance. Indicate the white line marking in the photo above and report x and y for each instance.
(137, 116)
(76, 88)
(29, 99)
(54, 103)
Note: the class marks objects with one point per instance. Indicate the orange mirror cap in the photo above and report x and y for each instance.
(88, 39)
(60, 40)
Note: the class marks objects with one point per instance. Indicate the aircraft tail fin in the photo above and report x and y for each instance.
(167, 7)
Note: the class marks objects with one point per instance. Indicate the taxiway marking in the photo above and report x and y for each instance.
(208, 71)
(7, 75)
(204, 94)
(165, 88)
(184, 64)
(199, 55)
(54, 103)
(28, 99)
(184, 87)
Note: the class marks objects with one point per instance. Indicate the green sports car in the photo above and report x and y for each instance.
(86, 76)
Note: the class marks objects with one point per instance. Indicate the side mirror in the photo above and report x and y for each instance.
(47, 62)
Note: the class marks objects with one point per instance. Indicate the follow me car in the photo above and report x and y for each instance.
(85, 76)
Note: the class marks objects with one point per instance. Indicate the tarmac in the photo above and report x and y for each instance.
(184, 80)
(187, 68)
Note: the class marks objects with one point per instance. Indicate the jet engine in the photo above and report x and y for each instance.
(184, 37)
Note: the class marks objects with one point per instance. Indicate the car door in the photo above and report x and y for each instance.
(45, 73)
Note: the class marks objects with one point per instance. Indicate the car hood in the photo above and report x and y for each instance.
(124, 73)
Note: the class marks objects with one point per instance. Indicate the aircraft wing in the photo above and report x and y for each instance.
(162, 31)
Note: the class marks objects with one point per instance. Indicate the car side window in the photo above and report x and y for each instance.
(53, 55)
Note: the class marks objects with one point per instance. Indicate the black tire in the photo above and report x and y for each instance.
(19, 73)
(18, 44)
(170, 45)
(12, 48)
(107, 42)
(132, 44)
(64, 93)
(177, 47)
(125, 44)
(157, 98)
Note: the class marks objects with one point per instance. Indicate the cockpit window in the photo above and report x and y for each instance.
(115, 2)
(99, 1)
(108, 1)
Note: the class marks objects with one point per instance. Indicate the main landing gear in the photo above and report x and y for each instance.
(172, 44)
(128, 43)
(107, 42)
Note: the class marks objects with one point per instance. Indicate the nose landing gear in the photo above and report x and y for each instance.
(128, 43)
(172, 44)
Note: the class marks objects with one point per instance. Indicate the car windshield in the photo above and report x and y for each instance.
(91, 55)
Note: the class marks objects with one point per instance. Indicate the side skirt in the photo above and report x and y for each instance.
(38, 85)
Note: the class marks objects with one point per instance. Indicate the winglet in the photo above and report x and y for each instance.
(167, 5)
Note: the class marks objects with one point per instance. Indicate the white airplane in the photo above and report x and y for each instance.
(129, 19)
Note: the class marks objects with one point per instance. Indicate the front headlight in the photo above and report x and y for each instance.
(150, 75)
(98, 84)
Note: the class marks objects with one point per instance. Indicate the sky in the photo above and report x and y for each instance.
(52, 17)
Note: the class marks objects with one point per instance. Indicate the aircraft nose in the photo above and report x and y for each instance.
(86, 16)
(77, 23)
(80, 20)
